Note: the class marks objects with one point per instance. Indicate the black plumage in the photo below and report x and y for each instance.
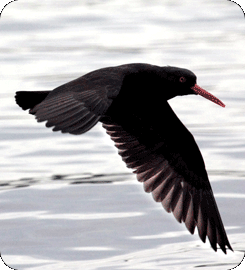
(131, 102)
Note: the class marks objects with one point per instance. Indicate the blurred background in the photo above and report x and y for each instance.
(47, 43)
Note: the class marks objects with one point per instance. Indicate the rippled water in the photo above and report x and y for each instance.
(77, 205)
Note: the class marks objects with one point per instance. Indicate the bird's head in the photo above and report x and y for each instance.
(183, 82)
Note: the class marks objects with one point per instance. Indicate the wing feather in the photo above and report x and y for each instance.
(75, 107)
(67, 118)
(194, 205)
(178, 208)
(70, 113)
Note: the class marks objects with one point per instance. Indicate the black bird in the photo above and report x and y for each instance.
(131, 102)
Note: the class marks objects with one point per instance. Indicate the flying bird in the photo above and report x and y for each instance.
(131, 101)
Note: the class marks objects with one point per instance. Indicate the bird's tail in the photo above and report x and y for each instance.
(29, 99)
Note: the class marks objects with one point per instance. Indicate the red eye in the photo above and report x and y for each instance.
(182, 79)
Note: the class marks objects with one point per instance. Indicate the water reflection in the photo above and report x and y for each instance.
(75, 179)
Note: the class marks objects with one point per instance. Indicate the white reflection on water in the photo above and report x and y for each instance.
(122, 223)
(45, 215)
(171, 257)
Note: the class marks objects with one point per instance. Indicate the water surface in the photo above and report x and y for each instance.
(69, 202)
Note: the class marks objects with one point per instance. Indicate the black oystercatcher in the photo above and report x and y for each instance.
(131, 102)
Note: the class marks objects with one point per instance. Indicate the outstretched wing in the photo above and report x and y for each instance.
(196, 207)
(77, 106)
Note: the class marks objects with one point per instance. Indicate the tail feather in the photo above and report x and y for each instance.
(29, 99)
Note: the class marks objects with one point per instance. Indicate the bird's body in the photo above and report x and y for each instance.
(131, 102)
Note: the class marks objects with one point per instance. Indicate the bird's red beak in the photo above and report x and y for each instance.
(198, 90)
